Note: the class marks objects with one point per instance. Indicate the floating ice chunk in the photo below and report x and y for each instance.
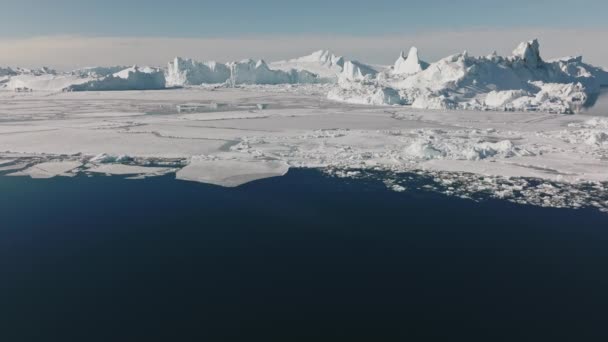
(49, 169)
(230, 173)
(13, 167)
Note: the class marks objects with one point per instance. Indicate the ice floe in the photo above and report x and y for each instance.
(230, 172)
(50, 169)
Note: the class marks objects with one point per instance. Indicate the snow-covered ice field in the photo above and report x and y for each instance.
(229, 136)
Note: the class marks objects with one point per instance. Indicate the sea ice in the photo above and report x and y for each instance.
(49, 169)
(230, 173)
(121, 169)
(389, 120)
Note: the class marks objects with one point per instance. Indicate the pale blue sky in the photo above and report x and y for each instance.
(192, 18)
(76, 33)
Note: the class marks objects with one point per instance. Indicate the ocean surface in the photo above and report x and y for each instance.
(305, 257)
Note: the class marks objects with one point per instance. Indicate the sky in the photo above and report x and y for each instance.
(64, 33)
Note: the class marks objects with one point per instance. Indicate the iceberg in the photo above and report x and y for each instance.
(134, 78)
(410, 64)
(355, 71)
(46, 82)
(181, 72)
(99, 71)
(528, 53)
(523, 82)
(323, 63)
(186, 72)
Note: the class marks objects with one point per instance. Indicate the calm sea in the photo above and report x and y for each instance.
(305, 257)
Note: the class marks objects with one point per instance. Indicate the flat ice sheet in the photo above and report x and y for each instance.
(49, 169)
(231, 173)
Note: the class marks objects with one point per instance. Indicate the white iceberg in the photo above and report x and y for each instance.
(322, 63)
(522, 82)
(134, 78)
(181, 72)
(410, 64)
(186, 72)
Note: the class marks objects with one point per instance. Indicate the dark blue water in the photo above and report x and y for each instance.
(303, 257)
